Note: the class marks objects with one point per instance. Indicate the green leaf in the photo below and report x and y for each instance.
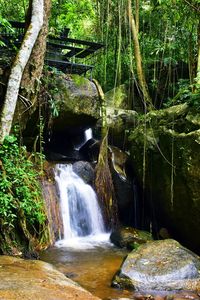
(10, 138)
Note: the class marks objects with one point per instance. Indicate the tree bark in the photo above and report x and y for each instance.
(137, 16)
(18, 67)
(34, 67)
(198, 55)
(138, 59)
(30, 83)
(195, 6)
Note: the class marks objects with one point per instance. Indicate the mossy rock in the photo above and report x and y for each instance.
(119, 122)
(75, 100)
(170, 139)
(129, 237)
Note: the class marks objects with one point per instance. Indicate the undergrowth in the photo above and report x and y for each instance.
(187, 93)
(21, 202)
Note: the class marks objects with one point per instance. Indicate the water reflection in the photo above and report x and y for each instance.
(91, 268)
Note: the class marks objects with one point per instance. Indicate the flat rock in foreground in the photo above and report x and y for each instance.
(160, 265)
(28, 280)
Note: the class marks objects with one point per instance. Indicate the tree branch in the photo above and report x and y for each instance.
(196, 8)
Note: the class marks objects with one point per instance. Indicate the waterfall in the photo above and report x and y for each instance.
(81, 214)
(87, 136)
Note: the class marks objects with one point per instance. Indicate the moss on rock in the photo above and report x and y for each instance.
(76, 101)
(165, 151)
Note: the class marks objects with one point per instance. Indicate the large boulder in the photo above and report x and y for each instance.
(74, 107)
(160, 265)
(76, 100)
(70, 105)
(28, 279)
(165, 151)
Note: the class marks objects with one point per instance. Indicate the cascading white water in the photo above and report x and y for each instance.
(87, 136)
(82, 219)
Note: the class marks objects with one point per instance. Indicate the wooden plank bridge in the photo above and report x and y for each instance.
(63, 53)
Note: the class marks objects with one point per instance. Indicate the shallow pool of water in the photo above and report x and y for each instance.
(92, 268)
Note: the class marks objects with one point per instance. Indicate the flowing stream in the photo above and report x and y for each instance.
(84, 253)
(82, 219)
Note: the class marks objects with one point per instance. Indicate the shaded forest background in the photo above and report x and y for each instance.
(168, 35)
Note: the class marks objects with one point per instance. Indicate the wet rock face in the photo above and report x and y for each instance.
(22, 279)
(84, 170)
(171, 141)
(90, 150)
(51, 199)
(129, 237)
(123, 185)
(160, 265)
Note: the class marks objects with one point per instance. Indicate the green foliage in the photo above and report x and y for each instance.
(11, 11)
(78, 15)
(187, 93)
(53, 108)
(167, 35)
(5, 25)
(14, 10)
(51, 88)
(134, 245)
(78, 80)
(20, 194)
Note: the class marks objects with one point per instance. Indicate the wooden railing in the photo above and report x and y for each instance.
(63, 52)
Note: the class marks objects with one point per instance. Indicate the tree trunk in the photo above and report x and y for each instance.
(34, 67)
(195, 6)
(138, 58)
(30, 83)
(198, 55)
(28, 64)
(191, 60)
(137, 16)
